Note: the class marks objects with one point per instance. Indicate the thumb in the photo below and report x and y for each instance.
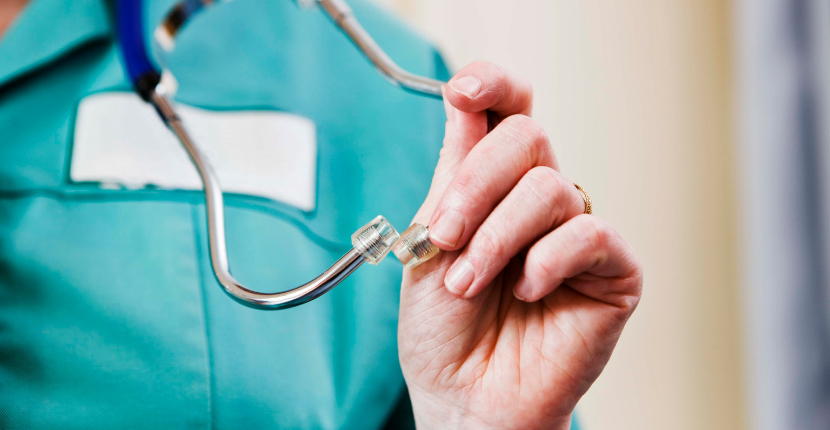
(463, 131)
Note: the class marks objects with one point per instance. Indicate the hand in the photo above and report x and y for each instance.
(510, 325)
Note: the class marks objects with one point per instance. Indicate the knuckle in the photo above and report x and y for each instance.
(529, 134)
(488, 245)
(521, 122)
(487, 68)
(548, 179)
(492, 75)
(499, 77)
(544, 175)
(528, 89)
(469, 190)
(546, 186)
(597, 233)
(479, 64)
(540, 266)
(633, 283)
(634, 286)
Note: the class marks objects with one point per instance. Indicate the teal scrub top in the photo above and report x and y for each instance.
(110, 316)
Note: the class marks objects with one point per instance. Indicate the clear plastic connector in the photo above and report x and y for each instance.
(414, 247)
(375, 240)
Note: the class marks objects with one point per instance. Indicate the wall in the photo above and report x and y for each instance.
(636, 98)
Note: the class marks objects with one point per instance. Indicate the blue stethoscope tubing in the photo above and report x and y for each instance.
(142, 73)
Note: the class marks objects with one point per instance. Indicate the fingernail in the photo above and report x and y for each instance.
(460, 277)
(468, 86)
(448, 229)
(522, 289)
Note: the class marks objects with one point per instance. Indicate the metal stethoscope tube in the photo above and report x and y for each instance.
(371, 243)
(341, 14)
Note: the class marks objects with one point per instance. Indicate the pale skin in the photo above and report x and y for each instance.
(512, 323)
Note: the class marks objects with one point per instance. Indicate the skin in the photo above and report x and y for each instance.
(514, 341)
(9, 9)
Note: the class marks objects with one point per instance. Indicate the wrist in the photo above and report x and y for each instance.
(433, 413)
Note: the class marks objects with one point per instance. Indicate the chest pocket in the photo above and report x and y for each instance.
(120, 141)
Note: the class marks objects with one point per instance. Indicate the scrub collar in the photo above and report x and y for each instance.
(47, 30)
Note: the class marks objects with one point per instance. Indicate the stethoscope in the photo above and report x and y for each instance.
(371, 243)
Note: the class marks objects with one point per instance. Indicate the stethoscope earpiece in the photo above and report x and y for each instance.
(371, 243)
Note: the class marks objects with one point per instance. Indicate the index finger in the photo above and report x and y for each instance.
(484, 86)
(491, 169)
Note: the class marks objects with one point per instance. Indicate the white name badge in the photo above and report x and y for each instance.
(120, 140)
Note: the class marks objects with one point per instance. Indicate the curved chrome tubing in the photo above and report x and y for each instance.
(341, 14)
(216, 232)
(371, 243)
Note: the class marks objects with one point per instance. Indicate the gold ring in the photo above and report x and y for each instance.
(585, 197)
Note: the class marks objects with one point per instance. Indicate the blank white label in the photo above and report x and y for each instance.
(120, 140)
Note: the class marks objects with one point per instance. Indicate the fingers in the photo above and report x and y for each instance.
(488, 173)
(463, 131)
(542, 200)
(588, 254)
(479, 97)
(483, 86)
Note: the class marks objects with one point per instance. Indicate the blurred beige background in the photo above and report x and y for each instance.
(636, 97)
